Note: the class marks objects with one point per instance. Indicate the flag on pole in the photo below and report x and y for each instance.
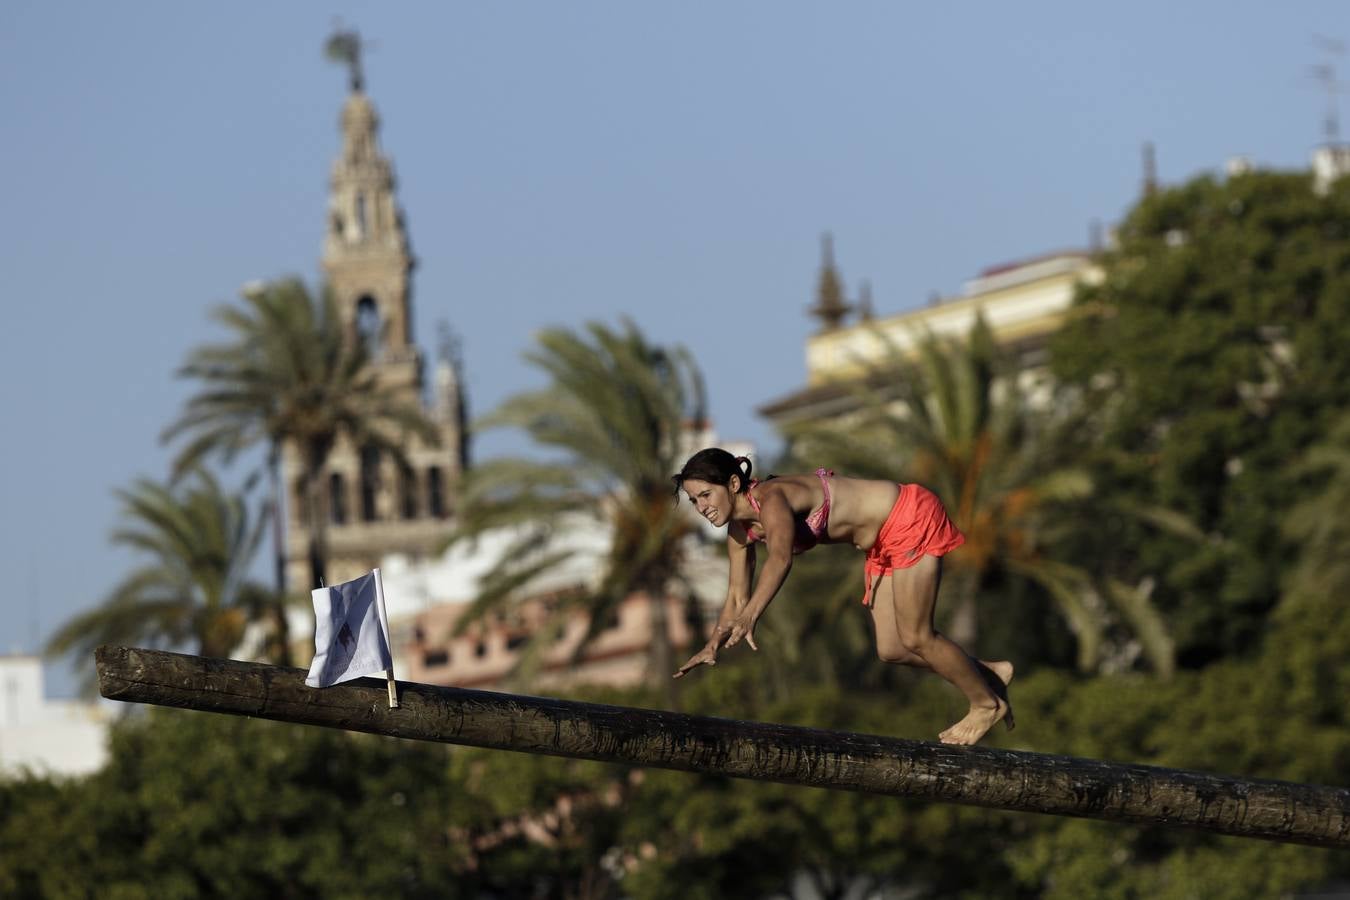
(351, 632)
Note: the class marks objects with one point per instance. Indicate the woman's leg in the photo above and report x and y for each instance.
(999, 673)
(889, 648)
(914, 595)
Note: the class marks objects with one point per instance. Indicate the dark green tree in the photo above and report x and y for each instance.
(193, 591)
(1212, 351)
(611, 421)
(293, 374)
(197, 805)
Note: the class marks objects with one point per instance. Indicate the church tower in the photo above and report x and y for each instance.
(374, 504)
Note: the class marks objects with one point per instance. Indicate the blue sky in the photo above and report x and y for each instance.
(560, 163)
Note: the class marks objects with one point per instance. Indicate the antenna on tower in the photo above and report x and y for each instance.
(1150, 185)
(1325, 74)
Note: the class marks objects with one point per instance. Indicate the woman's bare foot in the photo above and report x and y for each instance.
(976, 724)
(997, 675)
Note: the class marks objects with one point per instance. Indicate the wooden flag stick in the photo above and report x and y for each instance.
(384, 636)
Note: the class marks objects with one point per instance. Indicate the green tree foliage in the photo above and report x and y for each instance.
(294, 375)
(196, 805)
(549, 824)
(1212, 351)
(611, 421)
(193, 590)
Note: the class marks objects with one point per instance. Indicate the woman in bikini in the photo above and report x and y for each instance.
(902, 528)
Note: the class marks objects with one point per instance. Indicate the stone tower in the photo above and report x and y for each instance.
(373, 505)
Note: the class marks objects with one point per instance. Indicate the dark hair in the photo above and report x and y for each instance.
(715, 466)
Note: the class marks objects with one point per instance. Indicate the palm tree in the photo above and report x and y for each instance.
(612, 419)
(292, 375)
(959, 419)
(1317, 523)
(193, 591)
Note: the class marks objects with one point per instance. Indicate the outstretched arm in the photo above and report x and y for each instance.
(741, 555)
(775, 517)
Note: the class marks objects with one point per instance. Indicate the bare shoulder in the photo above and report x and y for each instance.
(800, 492)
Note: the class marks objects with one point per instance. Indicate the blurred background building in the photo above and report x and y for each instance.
(1023, 302)
(45, 736)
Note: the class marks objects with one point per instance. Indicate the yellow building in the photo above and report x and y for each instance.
(1023, 303)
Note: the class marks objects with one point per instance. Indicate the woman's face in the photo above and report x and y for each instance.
(713, 501)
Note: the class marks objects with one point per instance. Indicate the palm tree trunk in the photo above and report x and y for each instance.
(661, 656)
(281, 629)
(318, 525)
(963, 623)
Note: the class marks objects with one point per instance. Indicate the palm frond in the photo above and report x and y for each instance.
(1146, 622)
(612, 412)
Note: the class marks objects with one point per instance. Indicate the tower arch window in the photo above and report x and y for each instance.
(435, 493)
(362, 218)
(369, 328)
(370, 483)
(407, 491)
(337, 499)
(299, 505)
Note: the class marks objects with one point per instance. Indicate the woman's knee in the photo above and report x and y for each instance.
(892, 652)
(917, 640)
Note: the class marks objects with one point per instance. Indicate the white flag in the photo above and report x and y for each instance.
(350, 631)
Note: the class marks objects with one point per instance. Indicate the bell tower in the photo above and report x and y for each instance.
(374, 503)
(366, 260)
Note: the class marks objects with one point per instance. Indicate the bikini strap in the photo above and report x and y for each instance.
(822, 473)
(753, 502)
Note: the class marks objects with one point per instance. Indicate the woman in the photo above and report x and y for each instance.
(904, 531)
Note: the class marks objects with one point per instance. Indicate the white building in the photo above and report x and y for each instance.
(47, 737)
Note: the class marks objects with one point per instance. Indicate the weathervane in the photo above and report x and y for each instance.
(344, 46)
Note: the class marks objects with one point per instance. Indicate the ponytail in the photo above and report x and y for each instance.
(715, 466)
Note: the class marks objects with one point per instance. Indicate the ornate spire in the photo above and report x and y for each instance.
(366, 257)
(830, 307)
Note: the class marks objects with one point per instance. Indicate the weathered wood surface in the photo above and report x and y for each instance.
(979, 776)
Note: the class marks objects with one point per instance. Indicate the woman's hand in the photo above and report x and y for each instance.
(708, 655)
(743, 626)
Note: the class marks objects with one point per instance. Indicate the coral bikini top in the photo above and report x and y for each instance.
(811, 528)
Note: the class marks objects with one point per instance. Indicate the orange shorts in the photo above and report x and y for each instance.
(917, 526)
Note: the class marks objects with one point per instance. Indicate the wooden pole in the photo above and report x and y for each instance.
(979, 776)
